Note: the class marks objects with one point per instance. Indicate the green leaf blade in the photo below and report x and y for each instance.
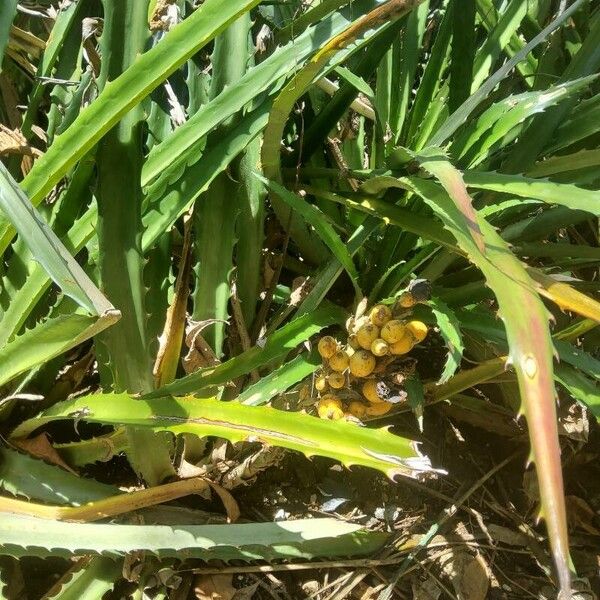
(339, 440)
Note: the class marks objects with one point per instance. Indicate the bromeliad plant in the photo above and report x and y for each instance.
(360, 142)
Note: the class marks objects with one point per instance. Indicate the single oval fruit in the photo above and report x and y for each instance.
(406, 300)
(330, 407)
(327, 346)
(357, 409)
(339, 361)
(393, 331)
(366, 335)
(353, 342)
(380, 347)
(321, 383)
(417, 329)
(362, 363)
(336, 380)
(380, 315)
(370, 392)
(403, 345)
(376, 410)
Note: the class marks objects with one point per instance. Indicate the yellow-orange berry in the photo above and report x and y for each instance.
(393, 331)
(380, 315)
(362, 363)
(403, 345)
(376, 410)
(330, 407)
(327, 346)
(336, 380)
(321, 383)
(366, 335)
(380, 347)
(406, 300)
(353, 342)
(417, 329)
(357, 409)
(369, 390)
(339, 361)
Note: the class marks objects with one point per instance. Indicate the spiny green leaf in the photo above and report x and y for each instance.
(526, 322)
(313, 216)
(459, 116)
(340, 440)
(531, 143)
(47, 248)
(406, 50)
(430, 83)
(435, 161)
(450, 330)
(25, 299)
(282, 106)
(47, 340)
(279, 380)
(303, 538)
(580, 124)
(314, 14)
(165, 161)
(95, 449)
(577, 357)
(497, 39)
(88, 580)
(503, 118)
(165, 205)
(63, 24)
(122, 94)
(564, 194)
(566, 162)
(22, 475)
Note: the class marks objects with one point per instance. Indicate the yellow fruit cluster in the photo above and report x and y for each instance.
(352, 382)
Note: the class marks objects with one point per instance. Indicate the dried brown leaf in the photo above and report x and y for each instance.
(250, 467)
(40, 447)
(200, 355)
(573, 422)
(214, 587)
(469, 574)
(425, 590)
(229, 502)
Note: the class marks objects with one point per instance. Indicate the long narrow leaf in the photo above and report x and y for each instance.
(47, 248)
(47, 340)
(459, 116)
(339, 440)
(564, 194)
(303, 538)
(8, 10)
(313, 216)
(117, 98)
(527, 328)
